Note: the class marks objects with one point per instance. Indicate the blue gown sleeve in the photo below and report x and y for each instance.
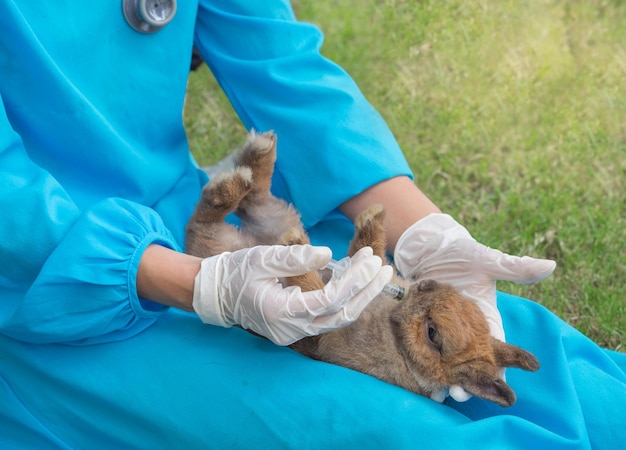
(66, 274)
(271, 68)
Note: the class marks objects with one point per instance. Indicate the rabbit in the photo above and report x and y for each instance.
(431, 339)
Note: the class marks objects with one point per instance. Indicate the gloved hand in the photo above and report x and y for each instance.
(439, 248)
(243, 288)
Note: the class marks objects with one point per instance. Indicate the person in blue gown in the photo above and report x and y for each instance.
(102, 340)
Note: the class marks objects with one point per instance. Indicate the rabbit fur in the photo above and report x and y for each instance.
(430, 340)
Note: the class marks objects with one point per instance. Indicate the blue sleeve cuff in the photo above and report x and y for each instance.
(86, 291)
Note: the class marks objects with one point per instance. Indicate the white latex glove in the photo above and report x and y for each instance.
(243, 288)
(439, 248)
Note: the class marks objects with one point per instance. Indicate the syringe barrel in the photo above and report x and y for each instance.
(339, 267)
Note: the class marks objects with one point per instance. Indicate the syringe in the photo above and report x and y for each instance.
(339, 267)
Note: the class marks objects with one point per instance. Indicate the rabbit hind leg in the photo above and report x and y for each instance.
(206, 233)
(259, 154)
(369, 230)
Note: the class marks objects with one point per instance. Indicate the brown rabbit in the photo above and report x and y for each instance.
(433, 338)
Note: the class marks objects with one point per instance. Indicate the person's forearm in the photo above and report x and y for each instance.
(404, 203)
(166, 276)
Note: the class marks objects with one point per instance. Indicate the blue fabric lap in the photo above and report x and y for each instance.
(181, 384)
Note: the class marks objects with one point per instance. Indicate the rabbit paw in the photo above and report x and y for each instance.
(226, 190)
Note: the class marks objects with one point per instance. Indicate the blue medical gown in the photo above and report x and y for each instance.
(94, 166)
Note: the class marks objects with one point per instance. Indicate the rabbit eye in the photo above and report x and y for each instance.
(432, 333)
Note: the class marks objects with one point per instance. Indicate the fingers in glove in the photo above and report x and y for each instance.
(337, 292)
(290, 314)
(286, 261)
(363, 269)
(348, 295)
(353, 308)
(523, 270)
(363, 253)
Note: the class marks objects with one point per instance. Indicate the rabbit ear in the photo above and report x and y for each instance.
(486, 387)
(508, 355)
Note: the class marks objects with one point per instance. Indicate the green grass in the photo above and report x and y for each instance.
(513, 118)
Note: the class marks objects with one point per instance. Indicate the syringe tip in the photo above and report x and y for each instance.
(394, 291)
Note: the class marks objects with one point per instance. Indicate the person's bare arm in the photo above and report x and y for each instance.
(166, 276)
(404, 202)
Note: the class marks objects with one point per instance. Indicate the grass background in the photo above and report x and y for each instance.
(513, 117)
